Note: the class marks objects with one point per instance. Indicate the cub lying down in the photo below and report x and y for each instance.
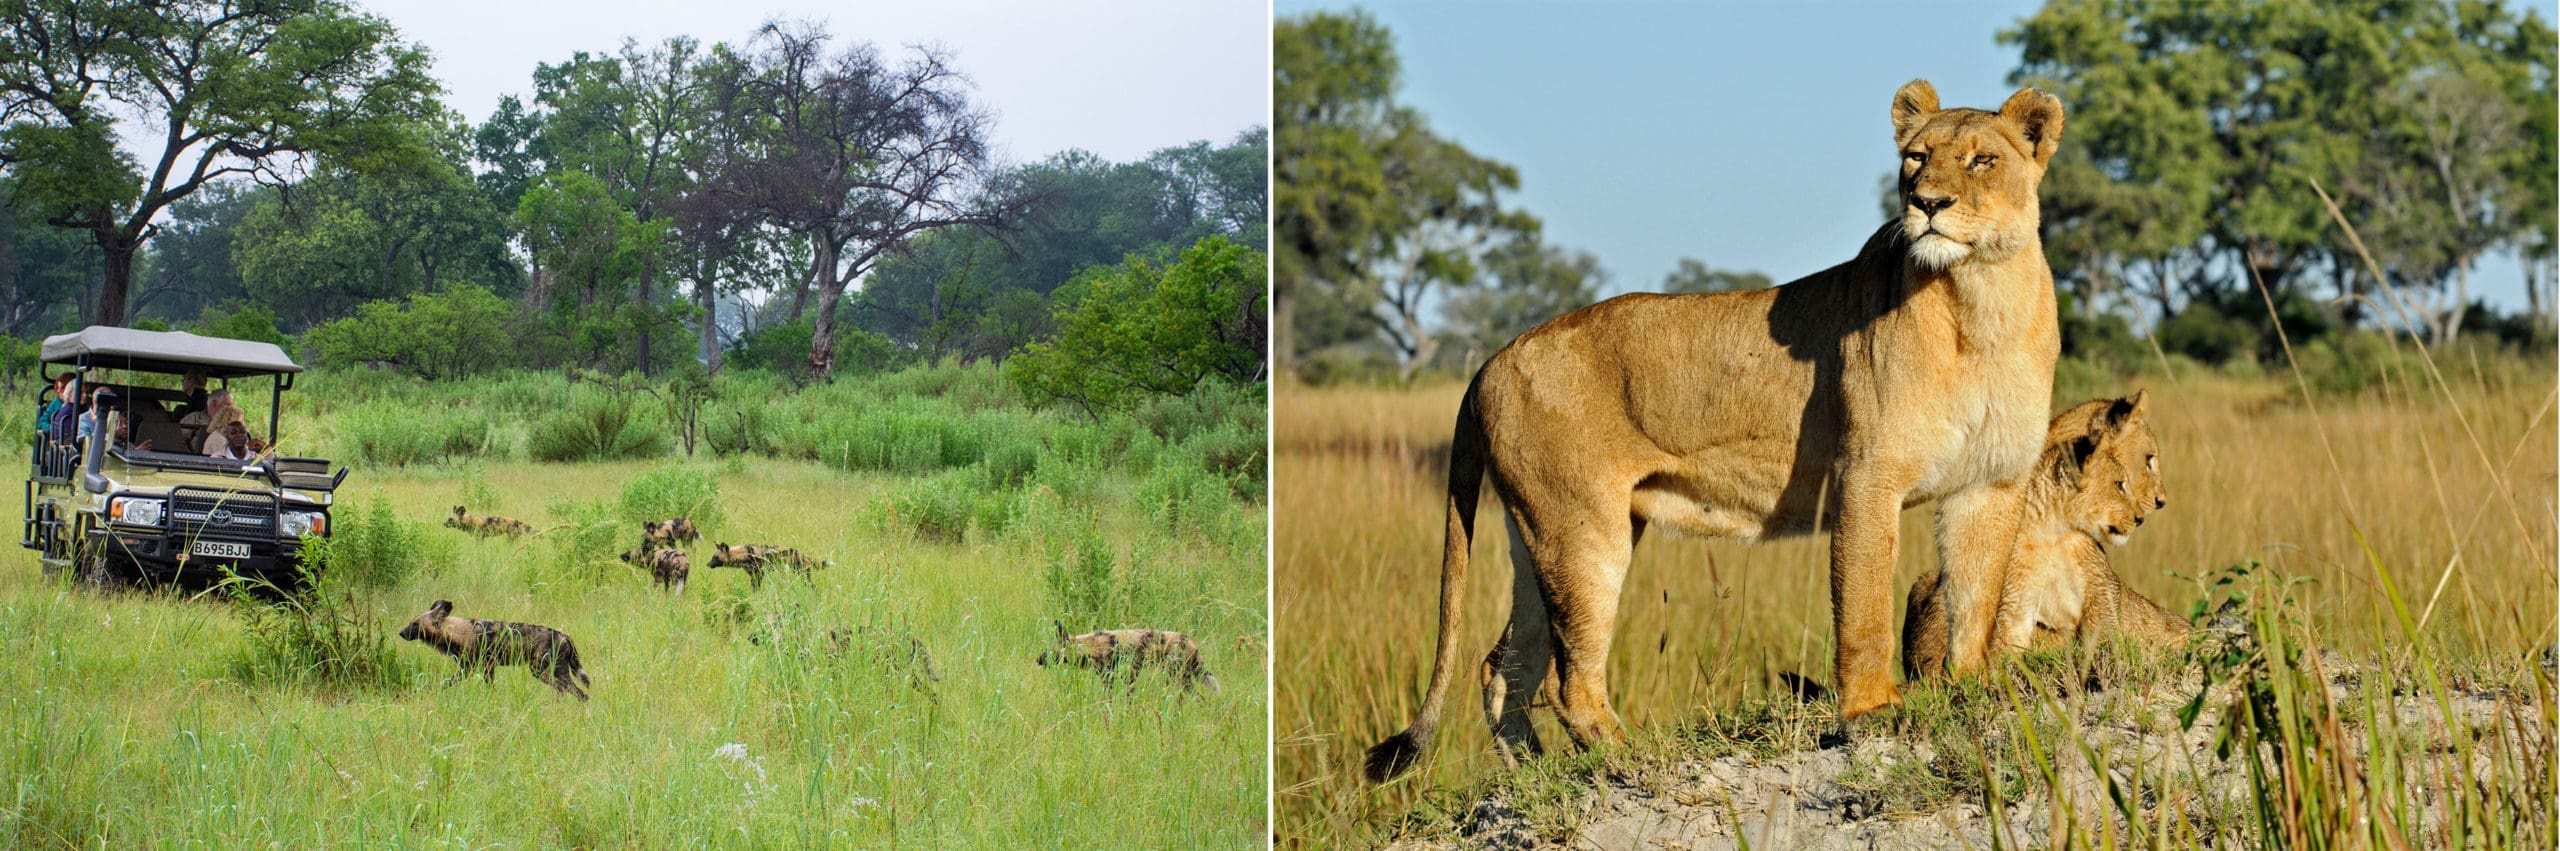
(2097, 479)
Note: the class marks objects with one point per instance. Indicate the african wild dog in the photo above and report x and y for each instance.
(755, 558)
(669, 567)
(1111, 650)
(487, 525)
(485, 645)
(895, 651)
(668, 534)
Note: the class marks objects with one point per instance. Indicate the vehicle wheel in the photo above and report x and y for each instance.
(97, 566)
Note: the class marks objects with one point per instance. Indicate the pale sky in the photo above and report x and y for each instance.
(1119, 79)
(1749, 135)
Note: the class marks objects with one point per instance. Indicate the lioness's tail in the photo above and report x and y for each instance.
(1467, 451)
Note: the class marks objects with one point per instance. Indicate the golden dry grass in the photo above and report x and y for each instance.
(2452, 489)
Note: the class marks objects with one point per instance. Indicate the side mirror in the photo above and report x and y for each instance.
(97, 454)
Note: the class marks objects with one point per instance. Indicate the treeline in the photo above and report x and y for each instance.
(794, 201)
(2182, 211)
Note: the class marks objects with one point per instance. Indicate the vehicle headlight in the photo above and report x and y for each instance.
(299, 523)
(139, 512)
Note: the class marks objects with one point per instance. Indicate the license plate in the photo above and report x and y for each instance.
(220, 549)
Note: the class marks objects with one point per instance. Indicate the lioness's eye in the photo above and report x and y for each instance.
(1915, 156)
(2120, 489)
(1984, 160)
(2151, 463)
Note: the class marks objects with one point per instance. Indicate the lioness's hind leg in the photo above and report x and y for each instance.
(1584, 566)
(1518, 666)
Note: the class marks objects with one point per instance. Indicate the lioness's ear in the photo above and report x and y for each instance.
(2141, 404)
(1912, 104)
(2039, 118)
(2081, 448)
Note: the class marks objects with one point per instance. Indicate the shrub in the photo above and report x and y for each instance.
(598, 427)
(586, 547)
(320, 638)
(937, 509)
(1150, 330)
(1181, 495)
(372, 548)
(1011, 464)
(674, 491)
(1237, 453)
(458, 332)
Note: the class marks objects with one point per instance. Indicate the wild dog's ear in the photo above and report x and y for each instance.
(2039, 118)
(1913, 104)
(440, 609)
(1062, 630)
(457, 511)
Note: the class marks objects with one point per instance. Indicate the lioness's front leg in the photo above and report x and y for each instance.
(1862, 555)
(1977, 532)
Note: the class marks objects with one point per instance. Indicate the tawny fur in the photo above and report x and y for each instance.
(2098, 479)
(484, 645)
(487, 525)
(1122, 653)
(1921, 369)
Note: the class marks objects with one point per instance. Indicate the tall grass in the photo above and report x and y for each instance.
(2456, 510)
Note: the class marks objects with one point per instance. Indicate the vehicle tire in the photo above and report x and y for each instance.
(96, 565)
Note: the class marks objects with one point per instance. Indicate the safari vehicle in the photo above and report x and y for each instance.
(116, 514)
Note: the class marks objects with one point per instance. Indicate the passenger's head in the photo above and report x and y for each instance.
(237, 433)
(193, 381)
(219, 400)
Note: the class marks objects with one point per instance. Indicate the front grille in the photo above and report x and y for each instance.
(220, 516)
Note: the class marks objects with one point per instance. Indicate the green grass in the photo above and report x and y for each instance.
(130, 719)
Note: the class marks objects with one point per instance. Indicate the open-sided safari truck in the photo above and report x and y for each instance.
(118, 514)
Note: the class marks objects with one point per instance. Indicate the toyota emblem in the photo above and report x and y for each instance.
(222, 516)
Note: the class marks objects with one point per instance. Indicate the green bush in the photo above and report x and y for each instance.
(1011, 464)
(674, 491)
(1237, 453)
(372, 548)
(598, 427)
(1182, 495)
(458, 332)
(319, 638)
(394, 434)
(937, 509)
(586, 547)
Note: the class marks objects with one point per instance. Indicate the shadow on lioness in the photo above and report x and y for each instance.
(485, 645)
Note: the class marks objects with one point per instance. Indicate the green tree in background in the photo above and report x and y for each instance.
(1695, 276)
(230, 88)
(1145, 329)
(1527, 283)
(451, 334)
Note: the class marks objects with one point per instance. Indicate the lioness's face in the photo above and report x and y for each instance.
(2120, 482)
(1969, 177)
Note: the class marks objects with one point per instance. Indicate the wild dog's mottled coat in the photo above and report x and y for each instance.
(756, 558)
(485, 645)
(670, 567)
(1112, 651)
(487, 525)
(668, 534)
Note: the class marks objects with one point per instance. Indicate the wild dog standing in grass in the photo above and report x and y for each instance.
(485, 645)
(668, 566)
(1112, 650)
(487, 525)
(756, 558)
(669, 534)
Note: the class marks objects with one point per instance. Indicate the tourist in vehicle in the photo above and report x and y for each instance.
(232, 441)
(66, 416)
(55, 395)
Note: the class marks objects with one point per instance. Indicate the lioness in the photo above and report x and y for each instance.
(1921, 369)
(485, 645)
(487, 525)
(2099, 477)
(1113, 651)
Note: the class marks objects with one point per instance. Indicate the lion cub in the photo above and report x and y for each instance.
(2097, 479)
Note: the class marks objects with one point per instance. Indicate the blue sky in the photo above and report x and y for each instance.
(1748, 135)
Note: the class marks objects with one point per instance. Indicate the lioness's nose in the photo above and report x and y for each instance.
(1930, 204)
(2159, 502)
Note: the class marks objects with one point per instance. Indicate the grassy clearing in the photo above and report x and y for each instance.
(721, 716)
(2453, 513)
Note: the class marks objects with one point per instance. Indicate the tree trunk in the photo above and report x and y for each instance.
(822, 333)
(119, 250)
(648, 276)
(2533, 292)
(706, 293)
(821, 262)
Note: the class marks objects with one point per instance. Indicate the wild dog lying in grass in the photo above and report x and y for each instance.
(487, 525)
(1113, 651)
(756, 558)
(2097, 479)
(668, 566)
(485, 645)
(666, 534)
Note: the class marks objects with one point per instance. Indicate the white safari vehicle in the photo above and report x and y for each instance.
(149, 507)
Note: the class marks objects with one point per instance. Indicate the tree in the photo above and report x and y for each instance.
(584, 245)
(188, 267)
(1148, 330)
(220, 88)
(859, 156)
(1694, 276)
(315, 250)
(451, 334)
